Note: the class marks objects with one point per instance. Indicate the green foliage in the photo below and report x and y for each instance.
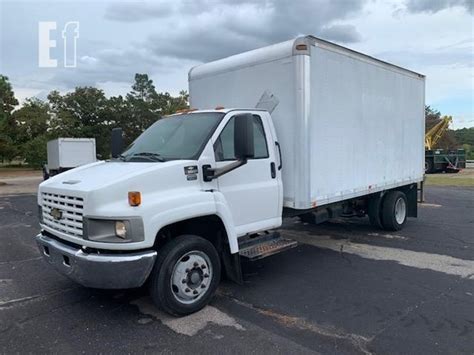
(465, 135)
(81, 113)
(452, 139)
(86, 112)
(144, 107)
(31, 120)
(469, 149)
(8, 150)
(34, 151)
(7, 98)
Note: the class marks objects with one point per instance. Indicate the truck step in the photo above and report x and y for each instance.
(262, 246)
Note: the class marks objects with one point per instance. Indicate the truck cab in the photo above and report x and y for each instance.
(188, 187)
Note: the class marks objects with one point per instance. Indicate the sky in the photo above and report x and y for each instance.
(165, 38)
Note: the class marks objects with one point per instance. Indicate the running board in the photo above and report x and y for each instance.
(261, 246)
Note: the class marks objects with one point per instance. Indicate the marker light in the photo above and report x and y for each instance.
(301, 47)
(219, 108)
(134, 198)
(120, 229)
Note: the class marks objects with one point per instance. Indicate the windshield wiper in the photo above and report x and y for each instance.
(148, 155)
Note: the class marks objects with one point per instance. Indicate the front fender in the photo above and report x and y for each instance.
(181, 207)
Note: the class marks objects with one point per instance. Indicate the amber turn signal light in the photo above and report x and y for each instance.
(134, 198)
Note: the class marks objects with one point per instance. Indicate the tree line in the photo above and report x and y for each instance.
(84, 113)
(88, 113)
(452, 139)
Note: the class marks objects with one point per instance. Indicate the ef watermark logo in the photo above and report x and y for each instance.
(47, 36)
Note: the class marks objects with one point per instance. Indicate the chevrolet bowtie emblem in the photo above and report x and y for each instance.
(56, 213)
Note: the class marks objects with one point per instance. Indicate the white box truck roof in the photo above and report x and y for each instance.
(348, 124)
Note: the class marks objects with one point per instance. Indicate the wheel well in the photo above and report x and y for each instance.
(411, 193)
(208, 227)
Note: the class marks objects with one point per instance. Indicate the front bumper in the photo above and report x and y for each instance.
(107, 271)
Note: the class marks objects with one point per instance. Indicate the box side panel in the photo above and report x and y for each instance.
(74, 153)
(243, 88)
(52, 149)
(366, 126)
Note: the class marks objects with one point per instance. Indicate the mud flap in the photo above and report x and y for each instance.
(232, 266)
(374, 209)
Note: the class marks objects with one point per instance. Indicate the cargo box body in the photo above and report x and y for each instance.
(348, 124)
(67, 153)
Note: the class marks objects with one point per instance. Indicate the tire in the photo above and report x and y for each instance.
(45, 174)
(186, 274)
(375, 211)
(394, 210)
(429, 168)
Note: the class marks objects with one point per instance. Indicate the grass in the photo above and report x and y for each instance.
(464, 178)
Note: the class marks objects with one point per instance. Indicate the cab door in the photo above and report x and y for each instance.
(252, 191)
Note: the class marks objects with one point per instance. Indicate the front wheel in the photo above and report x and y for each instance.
(186, 275)
(394, 210)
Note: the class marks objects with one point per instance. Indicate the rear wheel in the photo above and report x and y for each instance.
(375, 211)
(394, 210)
(186, 275)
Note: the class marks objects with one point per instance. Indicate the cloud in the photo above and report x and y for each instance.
(134, 12)
(413, 58)
(340, 33)
(202, 31)
(433, 6)
(113, 65)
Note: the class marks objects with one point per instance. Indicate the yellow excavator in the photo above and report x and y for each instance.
(440, 160)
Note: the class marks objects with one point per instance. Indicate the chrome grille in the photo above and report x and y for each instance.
(67, 208)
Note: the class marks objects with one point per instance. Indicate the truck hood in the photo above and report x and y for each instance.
(99, 175)
(101, 189)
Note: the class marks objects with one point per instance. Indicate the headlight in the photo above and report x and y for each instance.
(113, 230)
(120, 229)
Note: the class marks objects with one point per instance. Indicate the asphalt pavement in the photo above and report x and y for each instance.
(347, 289)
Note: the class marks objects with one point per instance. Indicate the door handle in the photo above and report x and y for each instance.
(273, 170)
(279, 153)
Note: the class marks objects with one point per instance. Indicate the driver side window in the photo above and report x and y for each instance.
(224, 146)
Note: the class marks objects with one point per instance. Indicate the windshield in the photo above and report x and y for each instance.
(174, 137)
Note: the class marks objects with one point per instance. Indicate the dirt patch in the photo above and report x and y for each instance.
(7, 173)
(20, 185)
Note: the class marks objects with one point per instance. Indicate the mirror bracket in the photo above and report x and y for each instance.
(210, 174)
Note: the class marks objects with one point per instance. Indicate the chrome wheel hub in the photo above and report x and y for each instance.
(400, 210)
(191, 277)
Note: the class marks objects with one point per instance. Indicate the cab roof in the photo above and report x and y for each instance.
(222, 110)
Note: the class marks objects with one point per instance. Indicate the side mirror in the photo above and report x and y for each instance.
(117, 142)
(243, 137)
(243, 147)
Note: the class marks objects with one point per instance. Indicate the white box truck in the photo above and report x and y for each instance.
(309, 129)
(68, 153)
